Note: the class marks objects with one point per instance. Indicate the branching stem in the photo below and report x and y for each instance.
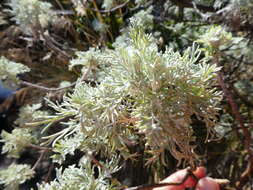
(238, 117)
(83, 78)
(39, 159)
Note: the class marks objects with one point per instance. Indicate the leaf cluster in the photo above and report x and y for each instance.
(14, 175)
(31, 13)
(16, 141)
(82, 177)
(158, 91)
(9, 71)
(138, 94)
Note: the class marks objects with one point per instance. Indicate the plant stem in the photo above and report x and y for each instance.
(238, 117)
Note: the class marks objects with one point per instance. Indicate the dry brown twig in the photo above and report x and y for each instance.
(83, 78)
(112, 9)
(39, 159)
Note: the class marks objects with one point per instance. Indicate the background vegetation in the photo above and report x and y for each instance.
(108, 94)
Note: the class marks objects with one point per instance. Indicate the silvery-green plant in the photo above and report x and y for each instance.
(143, 92)
(14, 175)
(143, 18)
(139, 94)
(16, 141)
(215, 37)
(31, 13)
(29, 113)
(82, 177)
(9, 71)
(79, 7)
(108, 4)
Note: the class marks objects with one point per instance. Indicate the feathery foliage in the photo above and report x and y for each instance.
(9, 71)
(16, 141)
(31, 13)
(14, 175)
(137, 95)
(144, 91)
(82, 178)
